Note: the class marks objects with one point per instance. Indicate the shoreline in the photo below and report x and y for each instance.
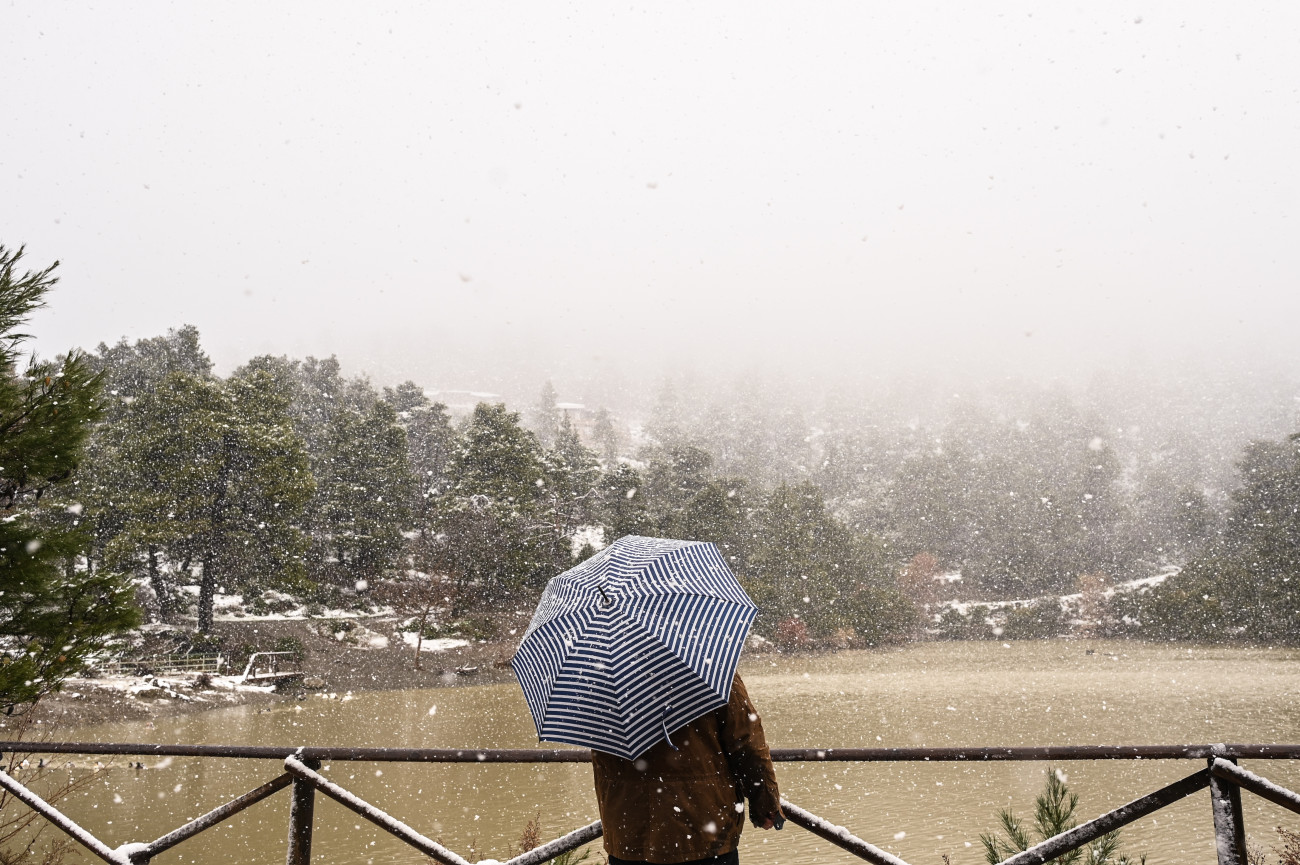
(338, 667)
(331, 665)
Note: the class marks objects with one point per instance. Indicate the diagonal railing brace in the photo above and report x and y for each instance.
(837, 835)
(1059, 845)
(383, 820)
(62, 821)
(144, 852)
(428, 846)
(1261, 787)
(559, 846)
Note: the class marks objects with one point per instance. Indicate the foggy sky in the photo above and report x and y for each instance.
(468, 194)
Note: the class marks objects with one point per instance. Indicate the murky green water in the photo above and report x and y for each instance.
(932, 694)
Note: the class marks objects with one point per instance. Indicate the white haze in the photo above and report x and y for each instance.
(487, 195)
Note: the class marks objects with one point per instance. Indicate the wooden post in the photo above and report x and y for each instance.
(1229, 828)
(300, 818)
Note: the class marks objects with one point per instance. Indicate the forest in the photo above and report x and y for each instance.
(851, 524)
(289, 476)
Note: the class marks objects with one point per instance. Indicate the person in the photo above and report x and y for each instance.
(681, 801)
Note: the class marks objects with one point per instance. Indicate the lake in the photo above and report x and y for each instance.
(930, 694)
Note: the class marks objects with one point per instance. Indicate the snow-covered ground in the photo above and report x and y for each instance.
(437, 644)
(169, 686)
(1067, 602)
(235, 608)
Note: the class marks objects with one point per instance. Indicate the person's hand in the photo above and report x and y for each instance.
(775, 820)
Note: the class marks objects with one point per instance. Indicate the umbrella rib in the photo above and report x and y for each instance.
(648, 634)
(683, 665)
(569, 649)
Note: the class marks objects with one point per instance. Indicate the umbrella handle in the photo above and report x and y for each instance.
(663, 721)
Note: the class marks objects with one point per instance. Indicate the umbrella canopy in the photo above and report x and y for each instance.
(633, 643)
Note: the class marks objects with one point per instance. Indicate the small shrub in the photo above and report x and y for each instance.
(293, 645)
(472, 628)
(1053, 814)
(572, 857)
(272, 602)
(844, 638)
(953, 625)
(479, 628)
(531, 836)
(56, 853)
(326, 595)
(1289, 852)
(198, 644)
(239, 657)
(1037, 620)
(792, 633)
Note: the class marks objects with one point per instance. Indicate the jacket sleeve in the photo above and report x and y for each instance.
(748, 756)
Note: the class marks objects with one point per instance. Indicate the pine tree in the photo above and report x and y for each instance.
(357, 448)
(623, 508)
(1053, 814)
(545, 419)
(809, 567)
(570, 489)
(363, 484)
(430, 442)
(211, 474)
(132, 370)
(498, 537)
(130, 373)
(606, 436)
(54, 612)
(1247, 585)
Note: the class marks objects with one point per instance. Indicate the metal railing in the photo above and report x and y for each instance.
(1224, 778)
(269, 668)
(159, 664)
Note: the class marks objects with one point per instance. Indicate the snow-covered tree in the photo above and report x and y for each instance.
(212, 474)
(54, 611)
(499, 540)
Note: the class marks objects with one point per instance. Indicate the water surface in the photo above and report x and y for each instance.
(934, 694)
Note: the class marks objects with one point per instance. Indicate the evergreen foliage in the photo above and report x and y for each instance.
(606, 436)
(362, 502)
(207, 473)
(624, 504)
(545, 416)
(1246, 585)
(289, 474)
(499, 538)
(360, 463)
(808, 566)
(571, 484)
(1053, 814)
(54, 610)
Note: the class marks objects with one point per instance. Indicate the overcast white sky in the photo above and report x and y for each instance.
(461, 192)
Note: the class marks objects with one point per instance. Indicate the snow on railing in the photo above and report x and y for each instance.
(156, 664)
(272, 671)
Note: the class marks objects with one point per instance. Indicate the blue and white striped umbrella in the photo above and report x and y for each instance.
(638, 640)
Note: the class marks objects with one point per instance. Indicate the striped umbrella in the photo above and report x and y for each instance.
(633, 643)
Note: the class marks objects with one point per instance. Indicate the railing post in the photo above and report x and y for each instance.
(1229, 828)
(302, 806)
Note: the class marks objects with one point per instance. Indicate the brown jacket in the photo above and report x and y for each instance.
(676, 805)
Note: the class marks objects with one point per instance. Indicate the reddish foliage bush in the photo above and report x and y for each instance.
(792, 634)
